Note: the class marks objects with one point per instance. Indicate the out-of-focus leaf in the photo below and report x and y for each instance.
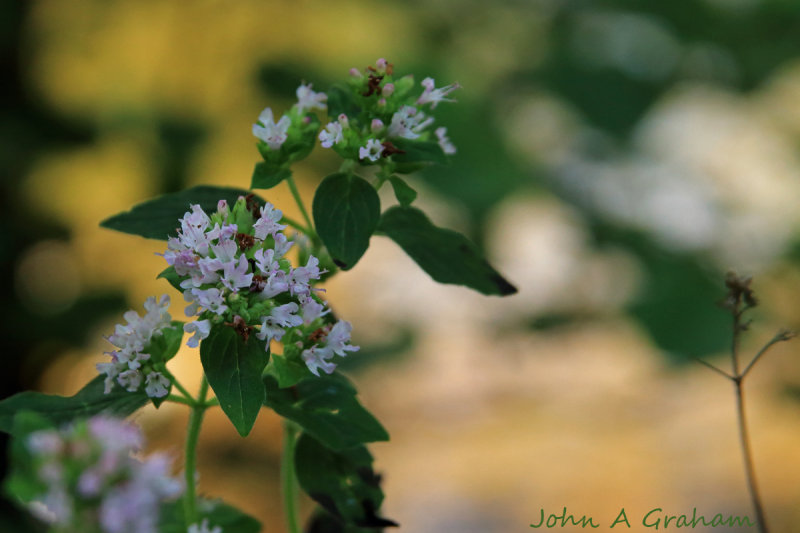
(23, 483)
(266, 176)
(89, 401)
(342, 101)
(677, 303)
(418, 151)
(402, 191)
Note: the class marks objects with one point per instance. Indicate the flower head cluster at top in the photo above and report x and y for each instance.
(131, 363)
(390, 109)
(233, 271)
(93, 483)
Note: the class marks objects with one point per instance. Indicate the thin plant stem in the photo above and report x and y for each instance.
(180, 399)
(748, 459)
(743, 433)
(190, 465)
(299, 201)
(213, 402)
(712, 367)
(177, 384)
(288, 479)
(297, 225)
(779, 337)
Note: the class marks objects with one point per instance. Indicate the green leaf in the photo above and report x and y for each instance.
(418, 151)
(89, 401)
(325, 407)
(342, 482)
(342, 100)
(229, 518)
(404, 194)
(266, 176)
(22, 482)
(675, 302)
(446, 255)
(346, 212)
(172, 277)
(288, 372)
(233, 367)
(164, 347)
(158, 218)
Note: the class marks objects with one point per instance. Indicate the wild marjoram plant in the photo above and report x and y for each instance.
(739, 299)
(266, 336)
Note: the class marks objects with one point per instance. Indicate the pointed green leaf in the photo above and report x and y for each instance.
(164, 347)
(446, 255)
(233, 367)
(404, 194)
(346, 212)
(89, 401)
(22, 482)
(172, 277)
(266, 176)
(287, 372)
(327, 408)
(342, 482)
(418, 151)
(158, 218)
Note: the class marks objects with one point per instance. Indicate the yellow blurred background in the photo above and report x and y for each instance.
(577, 119)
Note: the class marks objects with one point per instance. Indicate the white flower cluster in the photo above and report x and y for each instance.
(94, 483)
(407, 122)
(230, 274)
(274, 134)
(130, 365)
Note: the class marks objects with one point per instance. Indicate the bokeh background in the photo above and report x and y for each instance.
(615, 159)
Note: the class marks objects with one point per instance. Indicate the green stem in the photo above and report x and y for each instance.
(297, 225)
(180, 399)
(288, 479)
(190, 466)
(213, 402)
(177, 384)
(299, 200)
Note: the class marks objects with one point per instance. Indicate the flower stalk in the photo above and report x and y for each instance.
(288, 477)
(190, 460)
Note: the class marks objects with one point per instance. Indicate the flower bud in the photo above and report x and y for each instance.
(377, 125)
(388, 89)
(344, 121)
